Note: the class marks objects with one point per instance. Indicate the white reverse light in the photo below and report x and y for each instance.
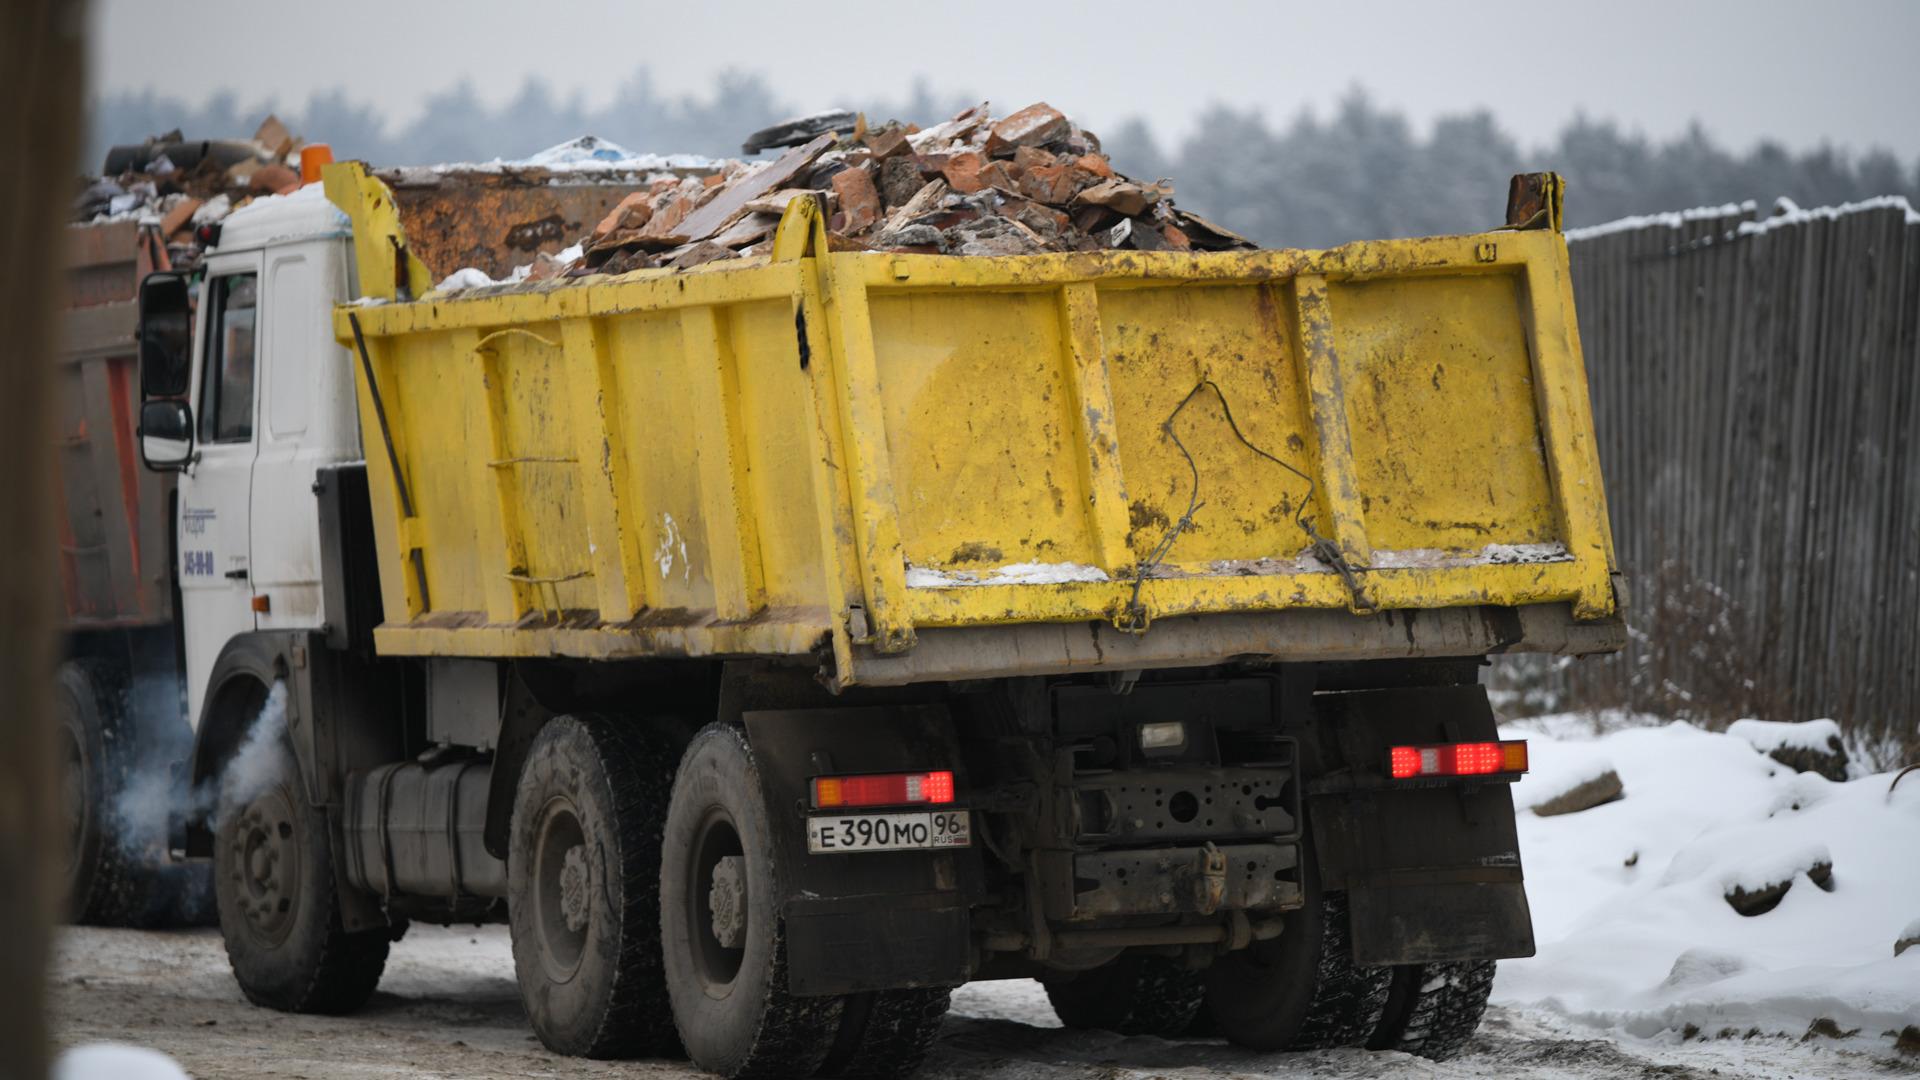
(1165, 735)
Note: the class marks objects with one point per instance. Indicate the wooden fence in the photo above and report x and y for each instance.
(1756, 386)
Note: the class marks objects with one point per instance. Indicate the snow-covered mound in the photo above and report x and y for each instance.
(1630, 899)
(116, 1061)
(1767, 736)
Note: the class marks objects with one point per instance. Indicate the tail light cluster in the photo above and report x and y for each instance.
(882, 789)
(1458, 759)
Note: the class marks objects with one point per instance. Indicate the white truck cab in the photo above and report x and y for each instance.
(261, 400)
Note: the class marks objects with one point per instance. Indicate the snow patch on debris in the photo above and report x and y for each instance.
(466, 278)
(1629, 903)
(1031, 573)
(586, 154)
(1767, 736)
(1492, 554)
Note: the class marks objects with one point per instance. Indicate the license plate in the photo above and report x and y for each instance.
(888, 832)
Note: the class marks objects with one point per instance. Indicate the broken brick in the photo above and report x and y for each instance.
(886, 142)
(1028, 157)
(1036, 125)
(632, 213)
(963, 172)
(997, 174)
(859, 200)
(1124, 196)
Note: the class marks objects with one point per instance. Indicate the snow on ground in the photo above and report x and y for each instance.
(1641, 965)
(1634, 930)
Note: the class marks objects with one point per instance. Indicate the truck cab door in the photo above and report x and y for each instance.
(306, 422)
(216, 590)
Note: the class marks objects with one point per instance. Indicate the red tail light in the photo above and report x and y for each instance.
(882, 789)
(1458, 759)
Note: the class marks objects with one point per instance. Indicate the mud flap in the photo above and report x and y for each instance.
(873, 921)
(1432, 873)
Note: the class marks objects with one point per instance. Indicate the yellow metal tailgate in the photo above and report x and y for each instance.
(1401, 424)
(776, 455)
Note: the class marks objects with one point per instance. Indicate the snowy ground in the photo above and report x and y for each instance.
(1629, 898)
(1643, 969)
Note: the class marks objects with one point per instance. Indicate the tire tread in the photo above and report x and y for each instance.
(1442, 1007)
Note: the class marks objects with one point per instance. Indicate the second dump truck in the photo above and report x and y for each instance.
(779, 644)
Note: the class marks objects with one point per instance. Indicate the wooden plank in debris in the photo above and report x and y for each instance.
(732, 202)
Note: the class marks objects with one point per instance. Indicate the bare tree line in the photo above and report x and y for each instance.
(1364, 171)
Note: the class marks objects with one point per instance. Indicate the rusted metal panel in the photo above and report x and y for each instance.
(495, 221)
(112, 523)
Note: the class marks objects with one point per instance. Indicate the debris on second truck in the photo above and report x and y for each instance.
(174, 184)
(1031, 181)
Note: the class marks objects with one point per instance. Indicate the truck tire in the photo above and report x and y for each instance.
(726, 954)
(1302, 990)
(117, 868)
(583, 887)
(1138, 994)
(1433, 1009)
(97, 753)
(279, 908)
(886, 1034)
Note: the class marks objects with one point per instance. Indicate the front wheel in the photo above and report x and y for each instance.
(274, 882)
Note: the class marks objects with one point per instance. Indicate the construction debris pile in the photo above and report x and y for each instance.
(176, 184)
(1028, 182)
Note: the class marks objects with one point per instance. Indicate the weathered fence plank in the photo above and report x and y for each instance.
(1756, 385)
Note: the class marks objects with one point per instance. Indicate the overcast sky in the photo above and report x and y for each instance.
(1839, 71)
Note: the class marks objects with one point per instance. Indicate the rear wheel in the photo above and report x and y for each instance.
(1302, 990)
(1138, 994)
(118, 794)
(95, 743)
(720, 924)
(885, 1034)
(1434, 1009)
(279, 912)
(583, 887)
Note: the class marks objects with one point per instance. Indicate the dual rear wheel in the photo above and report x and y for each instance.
(1300, 991)
(648, 921)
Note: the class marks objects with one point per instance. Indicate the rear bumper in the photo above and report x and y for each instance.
(1201, 640)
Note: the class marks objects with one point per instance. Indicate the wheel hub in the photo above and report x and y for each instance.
(574, 888)
(262, 854)
(727, 900)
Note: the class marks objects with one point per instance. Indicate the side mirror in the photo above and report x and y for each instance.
(166, 336)
(166, 435)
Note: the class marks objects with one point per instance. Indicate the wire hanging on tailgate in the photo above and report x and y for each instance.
(1135, 618)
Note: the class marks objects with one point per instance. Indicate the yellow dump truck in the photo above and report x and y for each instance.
(778, 644)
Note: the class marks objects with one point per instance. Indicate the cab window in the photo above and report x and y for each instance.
(226, 391)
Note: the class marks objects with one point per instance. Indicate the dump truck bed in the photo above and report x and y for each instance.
(112, 513)
(947, 467)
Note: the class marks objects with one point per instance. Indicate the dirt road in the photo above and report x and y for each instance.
(448, 1008)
